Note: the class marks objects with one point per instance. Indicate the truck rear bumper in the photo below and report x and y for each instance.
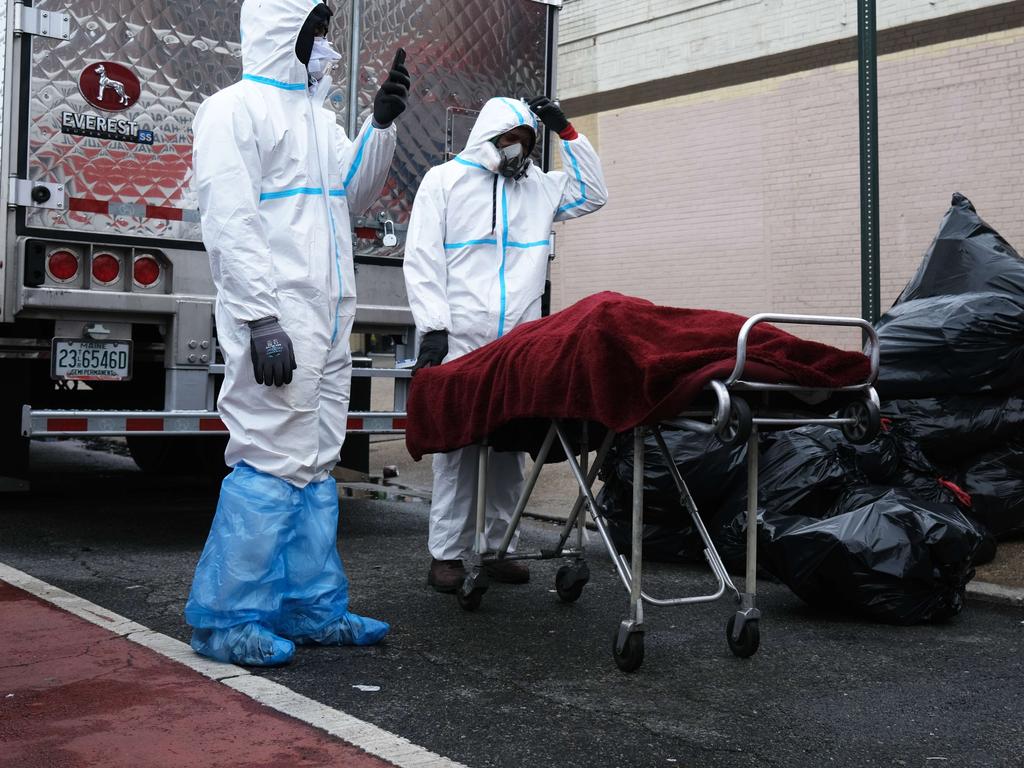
(39, 423)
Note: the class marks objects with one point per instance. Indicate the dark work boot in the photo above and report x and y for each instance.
(445, 575)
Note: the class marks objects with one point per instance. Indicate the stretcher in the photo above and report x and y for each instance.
(735, 408)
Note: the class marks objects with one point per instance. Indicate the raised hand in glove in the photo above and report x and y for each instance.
(273, 358)
(391, 99)
(552, 116)
(433, 350)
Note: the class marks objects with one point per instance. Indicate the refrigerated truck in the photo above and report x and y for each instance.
(106, 299)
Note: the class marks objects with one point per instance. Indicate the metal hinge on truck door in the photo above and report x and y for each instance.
(44, 23)
(35, 194)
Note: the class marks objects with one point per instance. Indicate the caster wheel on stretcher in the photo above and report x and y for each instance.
(471, 593)
(570, 580)
(747, 643)
(867, 421)
(737, 429)
(631, 656)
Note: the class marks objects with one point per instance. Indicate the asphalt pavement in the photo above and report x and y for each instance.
(528, 680)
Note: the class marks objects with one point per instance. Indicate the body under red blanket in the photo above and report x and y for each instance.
(611, 359)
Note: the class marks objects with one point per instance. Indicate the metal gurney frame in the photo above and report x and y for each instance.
(734, 409)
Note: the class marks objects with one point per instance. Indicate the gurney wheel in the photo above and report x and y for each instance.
(749, 639)
(631, 656)
(867, 421)
(741, 421)
(472, 600)
(471, 592)
(570, 580)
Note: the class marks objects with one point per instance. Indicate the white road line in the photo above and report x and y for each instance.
(368, 737)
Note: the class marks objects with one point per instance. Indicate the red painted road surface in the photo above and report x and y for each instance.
(73, 695)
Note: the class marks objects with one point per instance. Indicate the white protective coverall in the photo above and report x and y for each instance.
(476, 259)
(277, 180)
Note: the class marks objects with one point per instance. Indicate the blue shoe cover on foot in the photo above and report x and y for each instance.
(252, 645)
(350, 629)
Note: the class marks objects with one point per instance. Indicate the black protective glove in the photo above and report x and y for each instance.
(549, 113)
(433, 350)
(391, 99)
(273, 358)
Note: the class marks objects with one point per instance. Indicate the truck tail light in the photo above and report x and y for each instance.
(62, 265)
(146, 270)
(106, 268)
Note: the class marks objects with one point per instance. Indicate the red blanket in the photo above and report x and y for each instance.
(611, 359)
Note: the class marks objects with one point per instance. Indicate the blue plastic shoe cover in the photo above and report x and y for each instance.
(350, 629)
(252, 645)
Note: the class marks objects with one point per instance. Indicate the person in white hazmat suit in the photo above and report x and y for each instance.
(476, 260)
(277, 179)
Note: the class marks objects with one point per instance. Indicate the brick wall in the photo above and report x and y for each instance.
(747, 198)
(609, 44)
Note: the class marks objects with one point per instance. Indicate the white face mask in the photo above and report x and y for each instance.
(321, 59)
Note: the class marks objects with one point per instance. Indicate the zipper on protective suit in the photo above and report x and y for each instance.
(318, 96)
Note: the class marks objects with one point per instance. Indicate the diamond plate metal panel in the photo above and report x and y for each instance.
(3, 63)
(181, 53)
(459, 55)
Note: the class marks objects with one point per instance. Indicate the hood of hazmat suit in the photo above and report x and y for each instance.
(277, 181)
(478, 243)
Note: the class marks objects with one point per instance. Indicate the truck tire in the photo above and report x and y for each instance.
(187, 455)
(13, 447)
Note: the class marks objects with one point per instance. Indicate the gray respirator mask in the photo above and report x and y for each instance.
(514, 163)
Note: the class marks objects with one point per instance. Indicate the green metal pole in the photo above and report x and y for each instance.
(869, 250)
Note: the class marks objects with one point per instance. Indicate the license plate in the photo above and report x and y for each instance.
(88, 360)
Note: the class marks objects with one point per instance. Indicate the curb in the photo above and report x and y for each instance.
(390, 747)
(994, 593)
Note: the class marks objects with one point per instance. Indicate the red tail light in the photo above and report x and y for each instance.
(63, 265)
(106, 268)
(146, 270)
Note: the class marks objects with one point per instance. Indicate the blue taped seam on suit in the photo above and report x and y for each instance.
(504, 246)
(510, 244)
(528, 245)
(579, 179)
(512, 106)
(276, 83)
(299, 191)
(451, 246)
(357, 161)
(337, 269)
(470, 163)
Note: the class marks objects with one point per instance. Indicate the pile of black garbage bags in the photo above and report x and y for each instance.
(890, 530)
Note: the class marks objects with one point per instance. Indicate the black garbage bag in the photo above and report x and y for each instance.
(709, 468)
(963, 344)
(952, 429)
(813, 472)
(967, 256)
(801, 471)
(995, 482)
(889, 557)
(896, 460)
(669, 535)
